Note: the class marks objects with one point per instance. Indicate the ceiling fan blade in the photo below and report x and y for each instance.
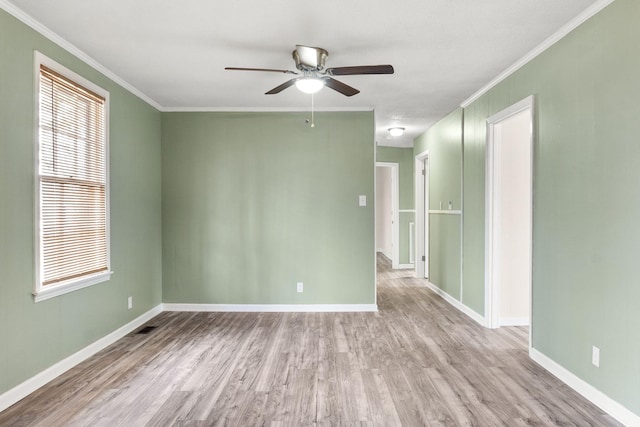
(361, 69)
(270, 70)
(344, 89)
(282, 87)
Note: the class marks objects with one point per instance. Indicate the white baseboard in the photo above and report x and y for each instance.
(514, 321)
(385, 253)
(22, 390)
(271, 308)
(457, 304)
(27, 387)
(595, 396)
(403, 266)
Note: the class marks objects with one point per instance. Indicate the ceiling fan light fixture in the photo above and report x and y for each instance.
(309, 85)
(396, 131)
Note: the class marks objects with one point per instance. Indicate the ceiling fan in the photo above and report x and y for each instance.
(312, 76)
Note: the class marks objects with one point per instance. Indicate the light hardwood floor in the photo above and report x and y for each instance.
(417, 362)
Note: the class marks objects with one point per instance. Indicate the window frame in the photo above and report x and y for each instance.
(43, 292)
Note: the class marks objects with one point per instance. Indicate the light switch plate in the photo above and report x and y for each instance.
(362, 200)
(595, 356)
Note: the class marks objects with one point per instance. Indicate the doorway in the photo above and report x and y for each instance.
(422, 215)
(509, 202)
(387, 201)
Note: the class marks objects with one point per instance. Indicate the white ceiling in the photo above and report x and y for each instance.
(175, 51)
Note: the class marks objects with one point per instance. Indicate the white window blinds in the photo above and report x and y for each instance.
(73, 205)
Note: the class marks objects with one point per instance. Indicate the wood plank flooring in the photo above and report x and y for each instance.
(417, 362)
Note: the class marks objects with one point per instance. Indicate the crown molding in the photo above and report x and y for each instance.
(553, 39)
(36, 25)
(74, 50)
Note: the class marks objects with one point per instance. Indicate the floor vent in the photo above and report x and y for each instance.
(146, 330)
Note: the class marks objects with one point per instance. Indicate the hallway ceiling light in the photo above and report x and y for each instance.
(396, 131)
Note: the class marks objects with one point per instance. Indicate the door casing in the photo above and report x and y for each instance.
(422, 214)
(492, 182)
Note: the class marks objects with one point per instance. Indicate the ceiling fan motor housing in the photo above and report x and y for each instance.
(309, 58)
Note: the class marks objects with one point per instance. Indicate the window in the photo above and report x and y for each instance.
(72, 191)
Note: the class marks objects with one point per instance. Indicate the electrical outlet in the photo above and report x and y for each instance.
(595, 356)
(299, 287)
(130, 303)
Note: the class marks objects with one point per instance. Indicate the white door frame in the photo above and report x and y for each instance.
(422, 214)
(492, 184)
(395, 217)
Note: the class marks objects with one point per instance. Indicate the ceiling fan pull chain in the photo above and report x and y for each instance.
(313, 123)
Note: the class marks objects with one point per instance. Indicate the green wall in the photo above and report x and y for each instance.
(443, 141)
(586, 202)
(35, 336)
(255, 202)
(404, 158)
(586, 199)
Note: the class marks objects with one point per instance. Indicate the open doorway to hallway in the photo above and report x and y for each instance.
(389, 277)
(509, 199)
(394, 227)
(386, 210)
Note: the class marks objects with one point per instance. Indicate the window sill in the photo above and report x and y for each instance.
(51, 291)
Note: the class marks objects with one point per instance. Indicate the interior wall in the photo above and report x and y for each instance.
(384, 239)
(255, 202)
(406, 209)
(585, 220)
(36, 336)
(444, 143)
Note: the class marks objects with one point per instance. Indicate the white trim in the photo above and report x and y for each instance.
(259, 109)
(462, 295)
(62, 288)
(27, 387)
(592, 394)
(383, 252)
(513, 321)
(403, 266)
(443, 212)
(520, 106)
(406, 210)
(422, 247)
(553, 39)
(458, 305)
(36, 25)
(491, 297)
(373, 230)
(412, 245)
(271, 308)
(55, 38)
(40, 292)
(492, 220)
